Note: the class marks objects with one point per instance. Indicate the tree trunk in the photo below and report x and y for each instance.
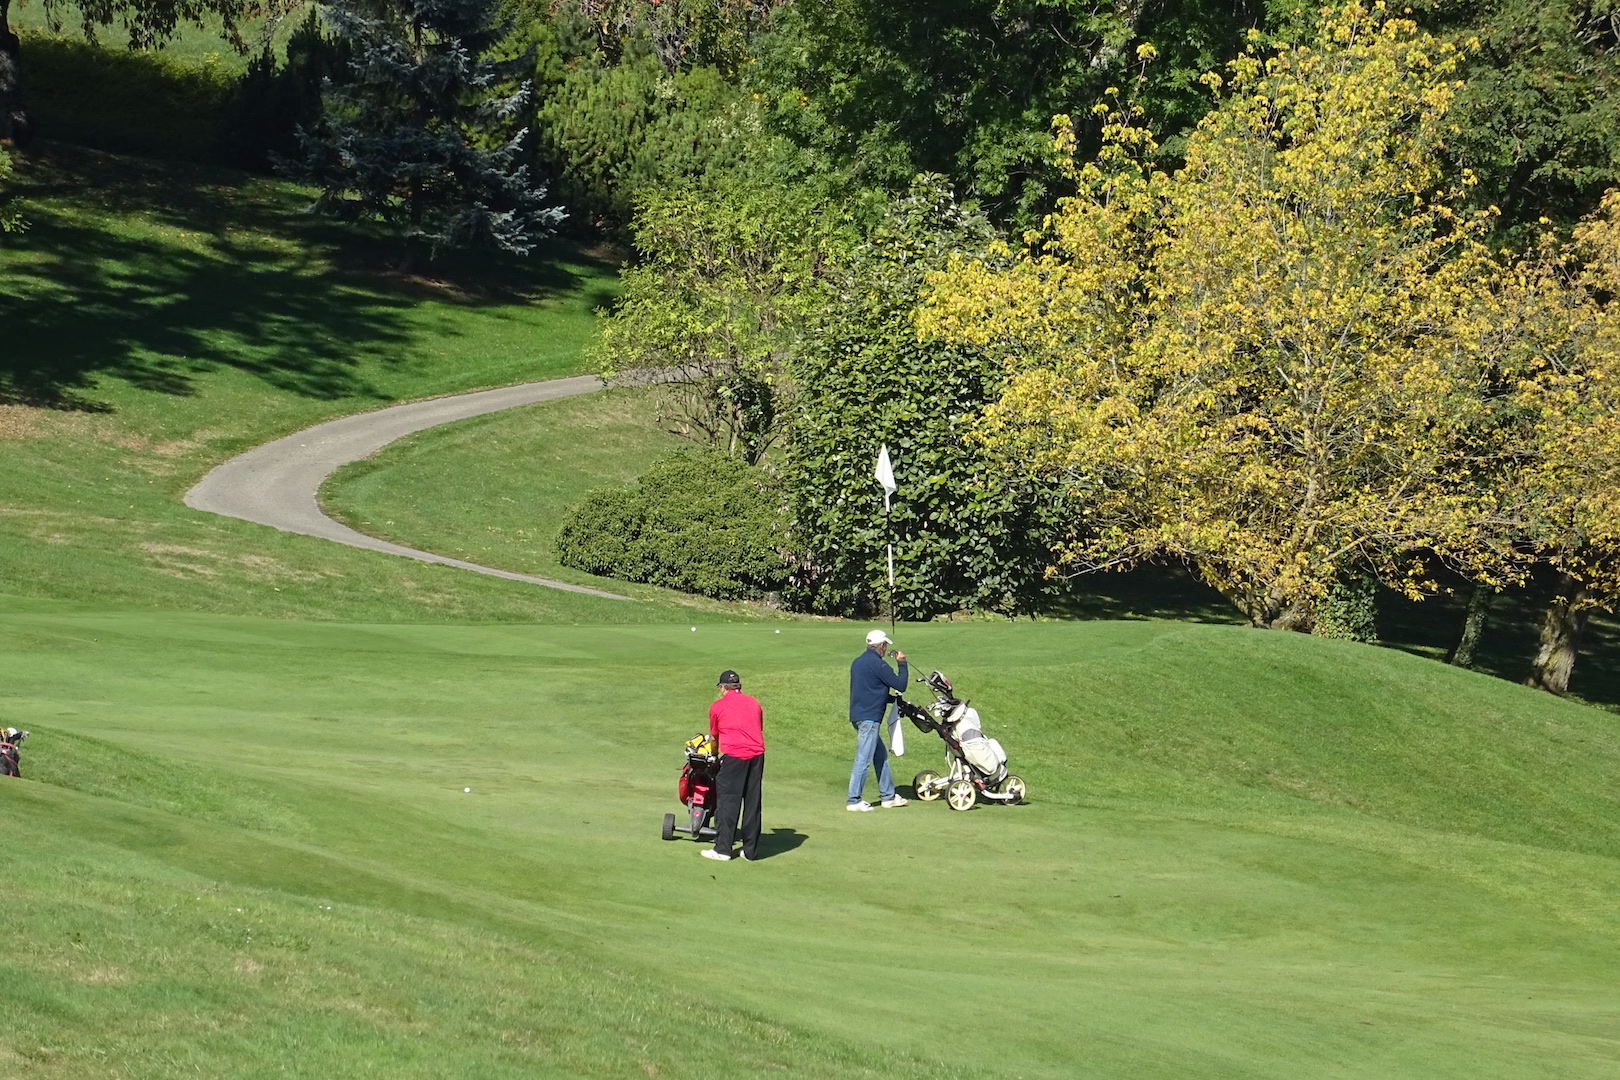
(415, 250)
(1479, 606)
(15, 126)
(1560, 638)
(1296, 617)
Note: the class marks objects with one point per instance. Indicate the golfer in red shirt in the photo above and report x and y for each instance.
(738, 724)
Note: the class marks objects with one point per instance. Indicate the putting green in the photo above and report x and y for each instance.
(245, 850)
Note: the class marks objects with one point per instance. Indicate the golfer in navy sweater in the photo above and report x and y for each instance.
(870, 680)
(738, 725)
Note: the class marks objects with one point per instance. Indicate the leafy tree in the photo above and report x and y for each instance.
(15, 126)
(963, 537)
(679, 34)
(727, 280)
(699, 521)
(1271, 362)
(1538, 116)
(884, 89)
(410, 138)
(611, 133)
(1565, 484)
(641, 94)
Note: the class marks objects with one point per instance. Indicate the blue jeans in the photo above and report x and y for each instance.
(869, 753)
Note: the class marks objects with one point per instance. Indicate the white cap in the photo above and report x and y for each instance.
(877, 637)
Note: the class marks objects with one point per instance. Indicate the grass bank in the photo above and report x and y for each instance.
(245, 847)
(161, 317)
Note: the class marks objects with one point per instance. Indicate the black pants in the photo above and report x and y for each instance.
(738, 783)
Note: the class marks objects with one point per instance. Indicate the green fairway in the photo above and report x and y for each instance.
(1246, 854)
(245, 845)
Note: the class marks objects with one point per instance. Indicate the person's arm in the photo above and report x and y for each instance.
(714, 721)
(895, 680)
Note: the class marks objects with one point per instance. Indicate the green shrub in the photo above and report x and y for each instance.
(11, 219)
(1348, 611)
(125, 101)
(698, 521)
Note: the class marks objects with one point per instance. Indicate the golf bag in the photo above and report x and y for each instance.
(976, 766)
(10, 739)
(697, 789)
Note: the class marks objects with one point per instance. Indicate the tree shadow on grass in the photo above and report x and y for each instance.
(1156, 591)
(1428, 628)
(155, 272)
(1511, 636)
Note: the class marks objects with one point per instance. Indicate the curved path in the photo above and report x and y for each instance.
(276, 484)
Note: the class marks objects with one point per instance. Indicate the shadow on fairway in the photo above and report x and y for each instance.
(156, 272)
(780, 842)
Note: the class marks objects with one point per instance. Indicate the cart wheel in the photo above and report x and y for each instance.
(669, 826)
(1014, 787)
(961, 795)
(926, 784)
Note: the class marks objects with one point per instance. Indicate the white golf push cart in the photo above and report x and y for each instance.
(977, 765)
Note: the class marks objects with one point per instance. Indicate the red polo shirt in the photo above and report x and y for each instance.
(739, 723)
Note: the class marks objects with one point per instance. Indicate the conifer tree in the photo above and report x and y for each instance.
(416, 137)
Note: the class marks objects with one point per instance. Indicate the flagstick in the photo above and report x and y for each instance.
(891, 590)
(889, 531)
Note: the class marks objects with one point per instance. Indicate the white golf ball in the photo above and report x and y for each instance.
(779, 631)
(694, 629)
(468, 790)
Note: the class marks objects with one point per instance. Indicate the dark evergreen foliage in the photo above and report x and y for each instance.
(422, 135)
(273, 101)
(886, 89)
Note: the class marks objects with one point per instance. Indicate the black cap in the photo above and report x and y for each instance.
(730, 678)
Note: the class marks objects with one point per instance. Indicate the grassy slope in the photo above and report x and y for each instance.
(244, 848)
(174, 316)
(1248, 855)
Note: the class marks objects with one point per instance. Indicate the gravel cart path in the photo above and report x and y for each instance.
(276, 484)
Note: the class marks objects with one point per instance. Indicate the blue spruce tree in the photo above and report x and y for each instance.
(420, 135)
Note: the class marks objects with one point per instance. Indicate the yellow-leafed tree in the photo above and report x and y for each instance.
(1283, 361)
(1561, 318)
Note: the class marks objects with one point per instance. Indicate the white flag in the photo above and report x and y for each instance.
(897, 733)
(885, 475)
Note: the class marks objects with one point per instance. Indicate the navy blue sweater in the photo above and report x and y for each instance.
(870, 680)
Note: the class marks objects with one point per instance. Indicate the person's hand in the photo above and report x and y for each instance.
(899, 657)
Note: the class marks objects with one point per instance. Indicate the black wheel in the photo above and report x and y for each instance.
(669, 826)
